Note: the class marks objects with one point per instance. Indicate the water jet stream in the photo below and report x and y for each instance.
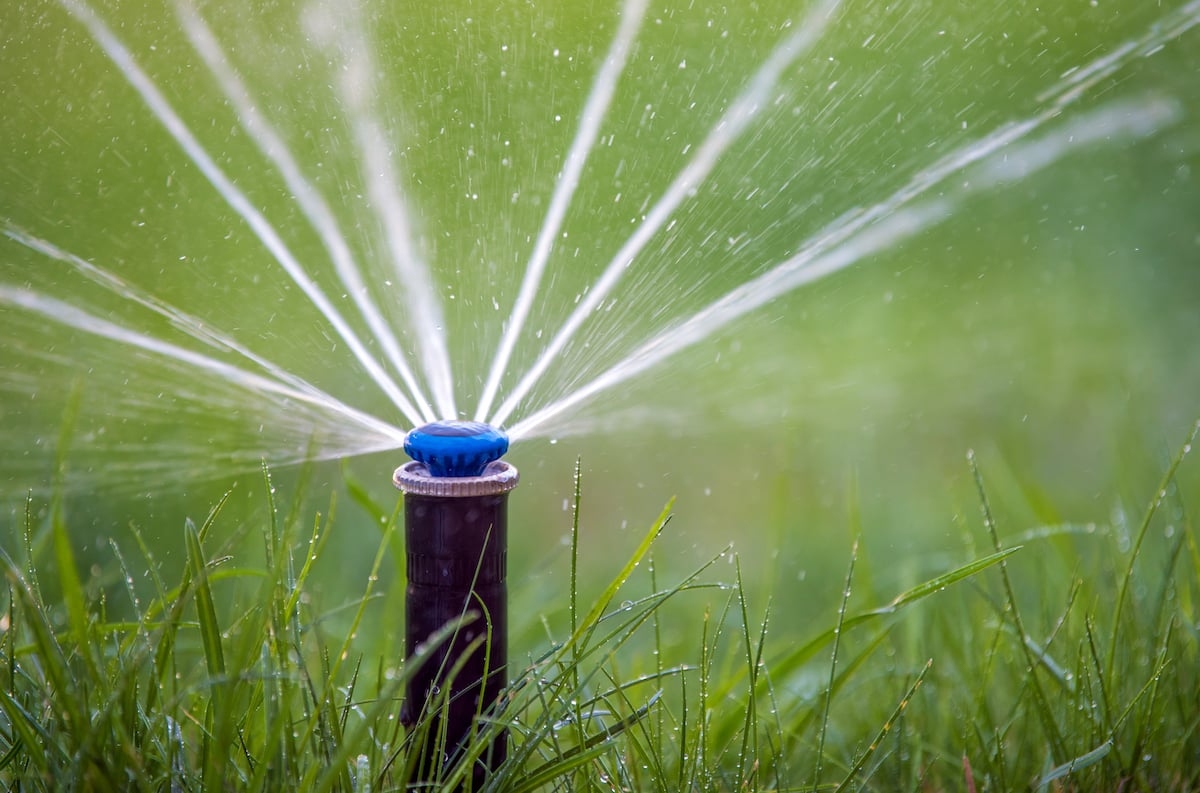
(742, 111)
(349, 39)
(385, 436)
(998, 159)
(309, 199)
(860, 233)
(188, 324)
(594, 110)
(162, 110)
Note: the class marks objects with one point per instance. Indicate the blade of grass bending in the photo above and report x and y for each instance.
(31, 732)
(588, 626)
(544, 722)
(14, 751)
(648, 748)
(798, 657)
(801, 724)
(887, 726)
(1044, 710)
(594, 746)
(583, 632)
(49, 651)
(1075, 764)
(1143, 528)
(354, 738)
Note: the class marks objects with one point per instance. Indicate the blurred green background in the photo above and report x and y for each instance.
(1050, 323)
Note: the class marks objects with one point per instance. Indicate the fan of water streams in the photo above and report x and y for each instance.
(295, 236)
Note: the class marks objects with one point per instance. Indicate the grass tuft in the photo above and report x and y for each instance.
(236, 677)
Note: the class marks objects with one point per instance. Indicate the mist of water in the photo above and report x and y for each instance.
(998, 159)
(235, 197)
(312, 204)
(296, 420)
(603, 88)
(741, 113)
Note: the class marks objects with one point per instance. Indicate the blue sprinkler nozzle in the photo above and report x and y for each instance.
(456, 448)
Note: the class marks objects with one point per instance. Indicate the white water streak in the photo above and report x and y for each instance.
(855, 236)
(341, 25)
(594, 111)
(188, 324)
(309, 199)
(744, 109)
(387, 436)
(162, 110)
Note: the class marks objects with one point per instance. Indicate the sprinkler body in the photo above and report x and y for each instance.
(456, 537)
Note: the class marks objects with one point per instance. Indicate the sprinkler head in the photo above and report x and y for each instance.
(456, 448)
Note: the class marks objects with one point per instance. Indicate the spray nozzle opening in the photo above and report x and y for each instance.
(456, 448)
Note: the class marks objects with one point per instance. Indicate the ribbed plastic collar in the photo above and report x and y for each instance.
(414, 478)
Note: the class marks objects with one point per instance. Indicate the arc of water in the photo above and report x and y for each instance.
(733, 123)
(314, 207)
(344, 29)
(594, 111)
(162, 110)
(185, 322)
(66, 314)
(863, 233)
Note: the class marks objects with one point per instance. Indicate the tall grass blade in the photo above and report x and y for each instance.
(206, 610)
(1143, 528)
(861, 762)
(793, 660)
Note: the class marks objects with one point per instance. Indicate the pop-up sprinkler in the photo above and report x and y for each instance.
(456, 535)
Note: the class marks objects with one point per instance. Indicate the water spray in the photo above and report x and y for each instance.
(456, 536)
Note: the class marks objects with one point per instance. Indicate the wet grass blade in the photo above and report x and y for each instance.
(73, 595)
(206, 611)
(1147, 518)
(588, 625)
(592, 747)
(791, 661)
(873, 747)
(837, 641)
(1075, 764)
(1044, 707)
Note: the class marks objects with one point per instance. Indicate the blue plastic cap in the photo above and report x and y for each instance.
(456, 448)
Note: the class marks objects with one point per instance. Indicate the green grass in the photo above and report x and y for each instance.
(1067, 660)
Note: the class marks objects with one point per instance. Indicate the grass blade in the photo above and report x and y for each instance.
(206, 611)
